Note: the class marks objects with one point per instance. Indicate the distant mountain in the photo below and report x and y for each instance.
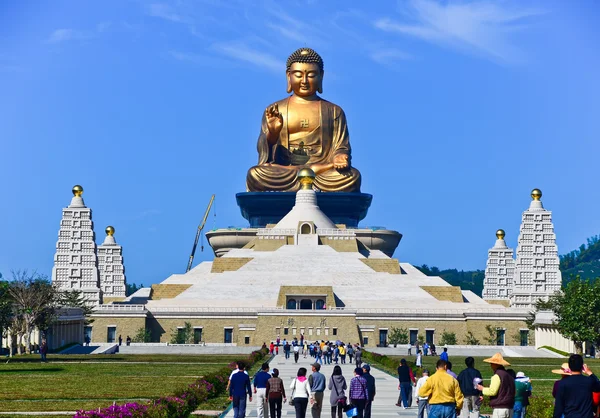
(467, 280)
(583, 262)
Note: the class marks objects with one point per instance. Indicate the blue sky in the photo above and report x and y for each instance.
(456, 111)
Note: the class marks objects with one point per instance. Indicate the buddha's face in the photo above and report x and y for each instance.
(304, 79)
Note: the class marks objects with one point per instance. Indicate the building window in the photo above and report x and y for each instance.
(306, 304)
(320, 304)
(335, 331)
(291, 304)
(305, 229)
(429, 334)
(500, 336)
(87, 334)
(228, 336)
(413, 336)
(246, 340)
(383, 333)
(111, 333)
(365, 341)
(524, 337)
(197, 335)
(286, 331)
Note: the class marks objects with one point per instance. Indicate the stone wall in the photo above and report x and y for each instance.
(254, 329)
(222, 264)
(126, 325)
(383, 265)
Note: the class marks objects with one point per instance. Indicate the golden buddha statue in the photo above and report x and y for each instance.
(303, 131)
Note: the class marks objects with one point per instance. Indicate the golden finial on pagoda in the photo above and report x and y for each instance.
(500, 234)
(110, 230)
(77, 190)
(536, 194)
(306, 177)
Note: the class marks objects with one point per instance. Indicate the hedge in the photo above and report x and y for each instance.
(183, 402)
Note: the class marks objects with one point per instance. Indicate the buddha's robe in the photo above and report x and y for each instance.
(278, 165)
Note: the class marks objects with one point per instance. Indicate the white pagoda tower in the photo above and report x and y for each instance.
(112, 271)
(499, 271)
(75, 261)
(537, 273)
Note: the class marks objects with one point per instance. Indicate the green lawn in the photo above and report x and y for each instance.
(538, 369)
(85, 382)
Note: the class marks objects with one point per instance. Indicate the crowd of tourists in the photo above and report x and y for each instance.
(442, 394)
(324, 352)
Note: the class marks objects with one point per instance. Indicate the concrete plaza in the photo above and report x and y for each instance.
(383, 406)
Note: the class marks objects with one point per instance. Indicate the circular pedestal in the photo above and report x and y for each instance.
(263, 208)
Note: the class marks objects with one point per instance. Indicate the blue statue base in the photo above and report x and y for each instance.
(262, 208)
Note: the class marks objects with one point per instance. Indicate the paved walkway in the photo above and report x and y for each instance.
(384, 405)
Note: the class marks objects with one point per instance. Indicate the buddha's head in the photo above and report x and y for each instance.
(304, 73)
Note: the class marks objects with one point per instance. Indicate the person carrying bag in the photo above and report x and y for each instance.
(301, 393)
(337, 398)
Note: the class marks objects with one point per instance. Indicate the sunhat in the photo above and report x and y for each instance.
(497, 359)
(564, 370)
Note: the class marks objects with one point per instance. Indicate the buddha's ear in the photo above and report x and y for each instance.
(289, 82)
(320, 86)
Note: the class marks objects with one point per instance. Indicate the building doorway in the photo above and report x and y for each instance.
(429, 336)
(228, 337)
(500, 336)
(111, 334)
(414, 335)
(383, 334)
(306, 304)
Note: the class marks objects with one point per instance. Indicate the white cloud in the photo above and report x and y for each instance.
(64, 35)
(483, 27)
(164, 11)
(389, 56)
(241, 52)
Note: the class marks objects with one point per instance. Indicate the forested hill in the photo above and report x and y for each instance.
(467, 280)
(584, 262)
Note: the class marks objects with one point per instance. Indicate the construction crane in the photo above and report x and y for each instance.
(198, 232)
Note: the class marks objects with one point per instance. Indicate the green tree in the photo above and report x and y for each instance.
(142, 335)
(76, 299)
(131, 288)
(183, 335)
(35, 303)
(398, 336)
(6, 308)
(421, 340)
(492, 337)
(576, 309)
(471, 340)
(448, 338)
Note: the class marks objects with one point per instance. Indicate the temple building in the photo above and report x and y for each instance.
(306, 275)
(110, 265)
(537, 273)
(75, 261)
(96, 271)
(499, 271)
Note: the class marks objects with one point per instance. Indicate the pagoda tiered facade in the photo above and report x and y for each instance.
(76, 265)
(75, 261)
(110, 264)
(535, 275)
(499, 271)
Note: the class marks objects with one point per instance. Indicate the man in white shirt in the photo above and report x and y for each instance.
(231, 375)
(296, 353)
(423, 403)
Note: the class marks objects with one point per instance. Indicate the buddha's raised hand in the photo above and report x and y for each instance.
(274, 120)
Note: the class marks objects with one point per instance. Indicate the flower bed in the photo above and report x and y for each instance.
(182, 403)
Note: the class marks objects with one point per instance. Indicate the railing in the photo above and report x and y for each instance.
(336, 232)
(275, 232)
(118, 307)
